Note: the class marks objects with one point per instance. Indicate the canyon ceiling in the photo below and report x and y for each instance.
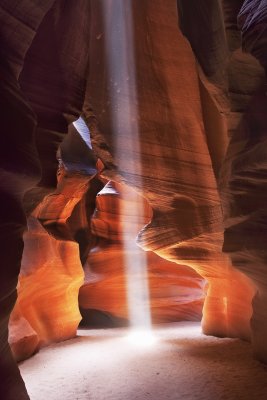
(173, 94)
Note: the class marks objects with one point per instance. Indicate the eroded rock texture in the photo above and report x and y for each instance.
(25, 24)
(50, 278)
(23, 339)
(51, 273)
(171, 165)
(161, 107)
(202, 24)
(19, 168)
(244, 176)
(243, 170)
(176, 292)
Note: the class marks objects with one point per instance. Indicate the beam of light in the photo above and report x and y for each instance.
(120, 63)
(143, 338)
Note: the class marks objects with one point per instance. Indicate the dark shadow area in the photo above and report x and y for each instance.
(92, 319)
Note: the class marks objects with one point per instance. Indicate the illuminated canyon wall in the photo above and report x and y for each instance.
(244, 173)
(175, 293)
(177, 127)
(172, 168)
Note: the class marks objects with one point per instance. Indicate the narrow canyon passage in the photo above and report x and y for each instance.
(181, 364)
(133, 192)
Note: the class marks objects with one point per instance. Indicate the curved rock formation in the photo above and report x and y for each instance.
(172, 166)
(244, 206)
(51, 273)
(176, 291)
(202, 24)
(19, 169)
(21, 23)
(50, 278)
(159, 117)
(23, 339)
(238, 176)
(244, 175)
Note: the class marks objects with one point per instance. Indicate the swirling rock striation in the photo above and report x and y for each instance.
(172, 166)
(27, 86)
(51, 273)
(159, 122)
(244, 178)
(50, 278)
(176, 291)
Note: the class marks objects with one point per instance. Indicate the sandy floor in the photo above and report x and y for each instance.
(181, 364)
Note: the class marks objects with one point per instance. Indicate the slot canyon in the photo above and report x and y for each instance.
(133, 178)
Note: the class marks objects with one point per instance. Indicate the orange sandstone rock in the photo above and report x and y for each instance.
(49, 282)
(168, 161)
(176, 291)
(23, 340)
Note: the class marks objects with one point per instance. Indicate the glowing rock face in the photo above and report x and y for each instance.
(145, 82)
(172, 166)
(176, 291)
(51, 272)
(23, 340)
(244, 174)
(49, 282)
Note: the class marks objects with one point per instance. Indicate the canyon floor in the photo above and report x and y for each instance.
(179, 363)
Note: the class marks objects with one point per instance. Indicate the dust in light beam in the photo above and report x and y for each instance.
(121, 71)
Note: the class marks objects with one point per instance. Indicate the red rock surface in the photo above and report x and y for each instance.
(48, 72)
(52, 273)
(23, 339)
(160, 107)
(243, 175)
(172, 167)
(50, 278)
(176, 291)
